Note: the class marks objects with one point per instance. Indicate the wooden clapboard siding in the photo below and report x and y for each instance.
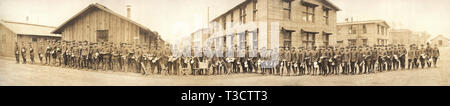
(120, 30)
(8, 38)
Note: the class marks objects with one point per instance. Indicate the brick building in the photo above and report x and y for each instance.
(299, 23)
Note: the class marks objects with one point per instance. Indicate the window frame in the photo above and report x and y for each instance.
(309, 12)
(255, 9)
(308, 38)
(99, 36)
(326, 15)
(243, 14)
(288, 9)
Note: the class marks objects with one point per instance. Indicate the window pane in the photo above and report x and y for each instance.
(310, 17)
(305, 18)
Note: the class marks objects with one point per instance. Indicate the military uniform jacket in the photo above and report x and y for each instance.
(24, 50)
(353, 56)
(428, 51)
(85, 51)
(40, 49)
(282, 56)
(418, 53)
(288, 56)
(345, 57)
(315, 56)
(31, 51)
(301, 56)
(48, 49)
(76, 51)
(374, 54)
(435, 52)
(16, 50)
(411, 54)
(294, 56)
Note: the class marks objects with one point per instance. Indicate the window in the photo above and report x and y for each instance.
(326, 14)
(365, 42)
(308, 13)
(255, 39)
(309, 39)
(246, 39)
(440, 42)
(287, 9)
(326, 39)
(352, 29)
(34, 39)
(255, 9)
(382, 30)
(242, 40)
(102, 35)
(224, 23)
(243, 14)
(378, 29)
(232, 18)
(352, 42)
(364, 29)
(287, 39)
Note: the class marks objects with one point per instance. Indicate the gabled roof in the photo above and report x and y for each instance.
(100, 7)
(440, 36)
(364, 22)
(247, 1)
(29, 29)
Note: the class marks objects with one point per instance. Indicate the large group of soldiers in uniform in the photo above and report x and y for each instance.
(84, 55)
(351, 60)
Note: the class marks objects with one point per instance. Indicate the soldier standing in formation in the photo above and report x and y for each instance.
(47, 52)
(115, 58)
(17, 53)
(23, 53)
(31, 53)
(435, 55)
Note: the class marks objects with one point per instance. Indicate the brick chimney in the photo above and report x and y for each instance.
(128, 11)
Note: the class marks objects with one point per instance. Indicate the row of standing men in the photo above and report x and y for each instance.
(317, 61)
(108, 56)
(103, 56)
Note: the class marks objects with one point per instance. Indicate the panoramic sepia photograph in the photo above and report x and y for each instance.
(224, 42)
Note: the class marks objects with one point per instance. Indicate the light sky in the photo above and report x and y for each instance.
(174, 19)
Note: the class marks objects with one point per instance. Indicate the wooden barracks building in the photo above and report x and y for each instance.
(302, 23)
(97, 23)
(11, 32)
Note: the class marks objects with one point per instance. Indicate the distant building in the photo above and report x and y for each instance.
(11, 32)
(405, 36)
(423, 37)
(440, 41)
(199, 38)
(97, 23)
(359, 33)
(302, 23)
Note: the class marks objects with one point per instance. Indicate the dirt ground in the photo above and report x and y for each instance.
(12, 74)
